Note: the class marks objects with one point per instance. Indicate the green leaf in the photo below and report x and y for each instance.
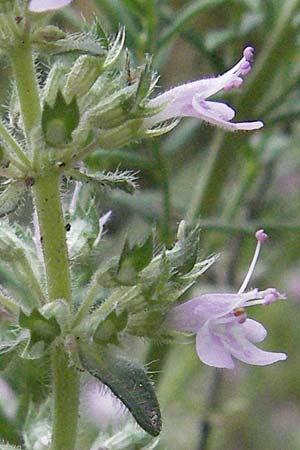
(100, 34)
(127, 381)
(82, 43)
(9, 447)
(60, 120)
(133, 259)
(41, 329)
(183, 255)
(123, 180)
(10, 196)
(146, 81)
(107, 330)
(11, 339)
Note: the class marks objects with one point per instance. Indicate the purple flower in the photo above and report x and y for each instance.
(190, 99)
(47, 5)
(221, 324)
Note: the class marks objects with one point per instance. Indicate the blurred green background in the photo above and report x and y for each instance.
(230, 183)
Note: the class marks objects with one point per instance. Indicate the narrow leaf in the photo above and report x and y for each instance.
(10, 197)
(127, 381)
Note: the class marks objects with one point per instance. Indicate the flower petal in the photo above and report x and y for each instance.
(254, 331)
(211, 350)
(212, 116)
(47, 5)
(192, 315)
(241, 348)
(222, 110)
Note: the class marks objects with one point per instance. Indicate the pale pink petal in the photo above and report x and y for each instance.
(222, 110)
(211, 116)
(47, 5)
(192, 315)
(241, 348)
(211, 350)
(254, 331)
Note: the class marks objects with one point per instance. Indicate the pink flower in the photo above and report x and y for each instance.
(47, 5)
(190, 99)
(221, 324)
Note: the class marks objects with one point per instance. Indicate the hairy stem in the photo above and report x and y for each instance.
(65, 378)
(53, 235)
(51, 222)
(25, 76)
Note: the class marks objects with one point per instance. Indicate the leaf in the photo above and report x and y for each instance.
(123, 180)
(108, 329)
(9, 447)
(82, 43)
(41, 329)
(183, 255)
(115, 49)
(100, 34)
(11, 196)
(146, 81)
(133, 259)
(127, 381)
(60, 120)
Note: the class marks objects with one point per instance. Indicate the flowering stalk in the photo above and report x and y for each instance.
(49, 210)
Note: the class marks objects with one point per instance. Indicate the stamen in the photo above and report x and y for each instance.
(248, 53)
(240, 314)
(271, 296)
(260, 241)
(261, 236)
(245, 68)
(234, 84)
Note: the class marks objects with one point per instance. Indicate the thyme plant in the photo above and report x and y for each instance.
(88, 97)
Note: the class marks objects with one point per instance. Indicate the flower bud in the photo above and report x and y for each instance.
(83, 75)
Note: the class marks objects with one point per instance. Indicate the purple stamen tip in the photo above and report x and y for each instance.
(245, 67)
(234, 84)
(229, 87)
(261, 236)
(238, 82)
(272, 296)
(248, 53)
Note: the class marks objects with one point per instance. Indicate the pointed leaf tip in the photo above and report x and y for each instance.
(127, 381)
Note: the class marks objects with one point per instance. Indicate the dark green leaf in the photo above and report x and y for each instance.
(10, 196)
(60, 120)
(41, 329)
(107, 330)
(133, 259)
(127, 381)
(100, 34)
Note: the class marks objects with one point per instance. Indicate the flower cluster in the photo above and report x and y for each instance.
(222, 326)
(190, 99)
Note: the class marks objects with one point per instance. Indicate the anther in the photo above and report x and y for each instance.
(248, 53)
(245, 68)
(261, 236)
(240, 314)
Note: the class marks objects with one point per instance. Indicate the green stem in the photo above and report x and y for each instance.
(53, 236)
(200, 189)
(65, 378)
(66, 401)
(248, 228)
(162, 168)
(25, 76)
